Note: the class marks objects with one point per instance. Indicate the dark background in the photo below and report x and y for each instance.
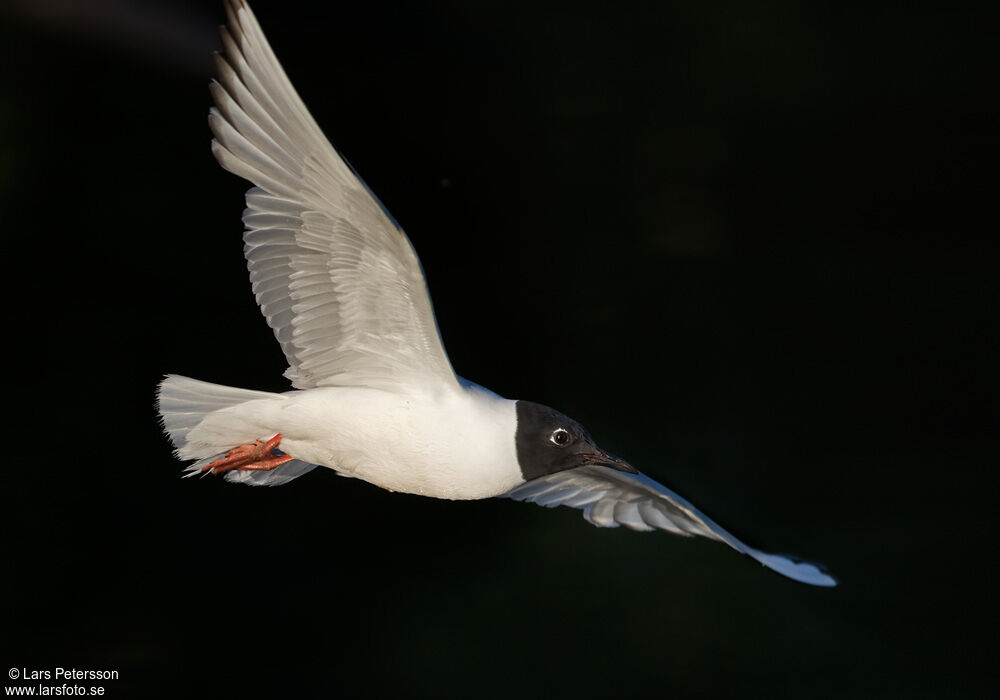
(753, 247)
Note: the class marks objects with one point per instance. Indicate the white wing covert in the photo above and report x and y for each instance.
(336, 278)
(610, 498)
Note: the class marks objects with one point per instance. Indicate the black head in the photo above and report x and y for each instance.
(549, 442)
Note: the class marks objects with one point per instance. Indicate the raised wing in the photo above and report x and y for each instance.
(335, 276)
(611, 498)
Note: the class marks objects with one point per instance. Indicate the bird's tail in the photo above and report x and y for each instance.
(184, 403)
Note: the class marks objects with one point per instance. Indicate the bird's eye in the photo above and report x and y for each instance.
(560, 437)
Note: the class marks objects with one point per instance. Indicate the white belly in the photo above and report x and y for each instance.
(458, 446)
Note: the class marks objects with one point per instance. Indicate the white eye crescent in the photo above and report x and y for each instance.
(560, 437)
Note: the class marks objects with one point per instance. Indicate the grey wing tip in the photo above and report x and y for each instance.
(795, 568)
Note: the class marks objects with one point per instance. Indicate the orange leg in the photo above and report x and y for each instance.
(256, 456)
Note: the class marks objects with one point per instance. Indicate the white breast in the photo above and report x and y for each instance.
(458, 444)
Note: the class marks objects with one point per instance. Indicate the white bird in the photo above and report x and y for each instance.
(375, 396)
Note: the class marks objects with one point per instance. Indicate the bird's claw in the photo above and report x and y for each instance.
(254, 456)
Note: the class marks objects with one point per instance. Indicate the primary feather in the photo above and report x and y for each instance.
(336, 278)
(611, 498)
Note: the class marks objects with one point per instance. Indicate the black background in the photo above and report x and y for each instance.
(751, 246)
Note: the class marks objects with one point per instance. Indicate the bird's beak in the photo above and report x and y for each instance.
(606, 459)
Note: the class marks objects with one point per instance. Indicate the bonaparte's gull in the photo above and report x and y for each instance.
(375, 396)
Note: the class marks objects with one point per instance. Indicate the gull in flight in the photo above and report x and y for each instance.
(375, 396)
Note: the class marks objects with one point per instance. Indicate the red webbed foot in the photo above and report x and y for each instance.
(253, 456)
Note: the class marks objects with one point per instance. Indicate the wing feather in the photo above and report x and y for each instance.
(611, 498)
(336, 278)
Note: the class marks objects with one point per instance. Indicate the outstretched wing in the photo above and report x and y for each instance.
(335, 276)
(611, 498)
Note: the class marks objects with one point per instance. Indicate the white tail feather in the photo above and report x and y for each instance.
(184, 403)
